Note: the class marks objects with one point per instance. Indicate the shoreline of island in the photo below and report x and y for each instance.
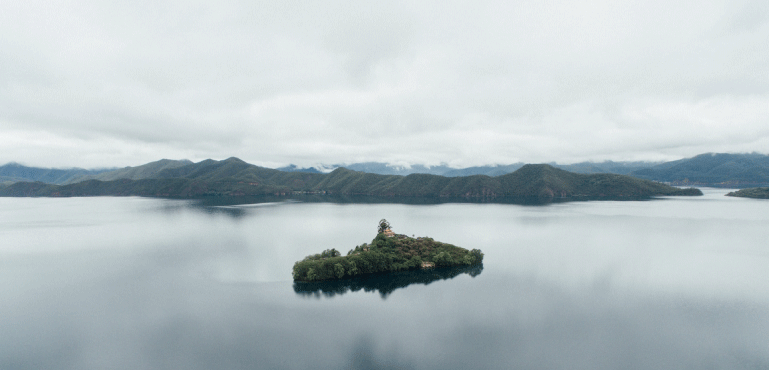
(388, 252)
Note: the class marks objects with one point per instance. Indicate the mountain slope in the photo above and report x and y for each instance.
(715, 169)
(726, 170)
(547, 181)
(234, 177)
(756, 193)
(13, 172)
(620, 168)
(132, 173)
(386, 169)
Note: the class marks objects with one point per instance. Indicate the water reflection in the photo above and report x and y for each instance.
(525, 201)
(134, 283)
(366, 199)
(364, 356)
(385, 284)
(235, 207)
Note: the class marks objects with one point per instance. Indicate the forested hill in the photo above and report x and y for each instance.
(234, 177)
(712, 169)
(756, 193)
(13, 172)
(133, 173)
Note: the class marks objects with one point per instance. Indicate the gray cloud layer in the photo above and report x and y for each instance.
(102, 84)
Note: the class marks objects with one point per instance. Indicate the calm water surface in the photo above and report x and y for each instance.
(136, 283)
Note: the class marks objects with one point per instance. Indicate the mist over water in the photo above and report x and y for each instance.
(136, 283)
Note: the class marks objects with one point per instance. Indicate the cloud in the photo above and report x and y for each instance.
(427, 83)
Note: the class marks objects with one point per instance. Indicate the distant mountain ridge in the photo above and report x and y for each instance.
(713, 169)
(234, 177)
(381, 168)
(709, 169)
(13, 172)
(133, 173)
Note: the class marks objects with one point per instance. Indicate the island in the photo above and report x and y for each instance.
(756, 193)
(388, 252)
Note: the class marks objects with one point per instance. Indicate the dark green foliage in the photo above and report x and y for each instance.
(235, 178)
(756, 193)
(383, 225)
(384, 284)
(14, 172)
(620, 168)
(416, 185)
(443, 259)
(716, 169)
(545, 181)
(384, 254)
(145, 171)
(530, 181)
(27, 189)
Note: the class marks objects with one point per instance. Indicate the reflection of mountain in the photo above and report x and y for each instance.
(383, 283)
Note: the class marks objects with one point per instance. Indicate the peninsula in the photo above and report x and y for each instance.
(388, 252)
(756, 193)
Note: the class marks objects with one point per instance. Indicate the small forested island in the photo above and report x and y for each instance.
(756, 193)
(388, 252)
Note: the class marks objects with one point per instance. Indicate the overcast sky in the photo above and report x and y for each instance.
(102, 84)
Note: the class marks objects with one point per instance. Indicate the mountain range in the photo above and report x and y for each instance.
(234, 177)
(14, 172)
(709, 169)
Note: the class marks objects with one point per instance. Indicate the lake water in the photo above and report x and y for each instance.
(136, 283)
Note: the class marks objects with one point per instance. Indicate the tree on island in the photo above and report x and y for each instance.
(382, 226)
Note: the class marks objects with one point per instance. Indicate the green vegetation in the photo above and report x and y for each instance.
(144, 171)
(384, 254)
(757, 193)
(14, 172)
(385, 284)
(382, 226)
(236, 178)
(711, 169)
